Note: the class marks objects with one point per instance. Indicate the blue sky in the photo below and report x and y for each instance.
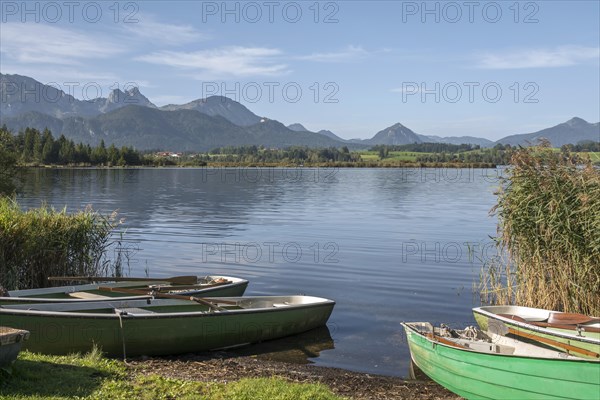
(485, 69)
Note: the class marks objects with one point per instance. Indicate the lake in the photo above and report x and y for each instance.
(388, 245)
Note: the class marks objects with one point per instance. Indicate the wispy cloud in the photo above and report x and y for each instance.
(149, 28)
(407, 89)
(348, 54)
(222, 62)
(48, 44)
(62, 75)
(562, 56)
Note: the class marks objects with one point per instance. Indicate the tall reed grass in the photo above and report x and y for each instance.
(43, 242)
(548, 234)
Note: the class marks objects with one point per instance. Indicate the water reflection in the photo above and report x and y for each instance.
(298, 349)
(388, 245)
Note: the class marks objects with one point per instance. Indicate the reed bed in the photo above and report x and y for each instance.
(43, 242)
(548, 234)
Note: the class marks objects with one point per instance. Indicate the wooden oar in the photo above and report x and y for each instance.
(440, 339)
(206, 302)
(570, 318)
(551, 342)
(571, 327)
(187, 287)
(564, 325)
(177, 280)
(513, 317)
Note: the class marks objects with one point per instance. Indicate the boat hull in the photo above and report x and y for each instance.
(588, 341)
(162, 334)
(475, 375)
(11, 341)
(237, 287)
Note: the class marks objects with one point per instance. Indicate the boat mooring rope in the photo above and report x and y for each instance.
(120, 313)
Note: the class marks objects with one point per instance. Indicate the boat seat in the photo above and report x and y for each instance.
(134, 311)
(503, 349)
(86, 295)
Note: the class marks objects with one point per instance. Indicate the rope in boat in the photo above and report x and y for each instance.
(120, 313)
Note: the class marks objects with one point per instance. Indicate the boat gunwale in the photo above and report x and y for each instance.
(573, 359)
(534, 328)
(38, 300)
(65, 314)
(13, 294)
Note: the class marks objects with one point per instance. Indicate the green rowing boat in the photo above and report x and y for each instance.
(559, 330)
(477, 366)
(161, 327)
(217, 286)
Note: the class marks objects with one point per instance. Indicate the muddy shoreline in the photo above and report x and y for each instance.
(226, 367)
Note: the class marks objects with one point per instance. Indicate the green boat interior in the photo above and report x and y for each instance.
(473, 339)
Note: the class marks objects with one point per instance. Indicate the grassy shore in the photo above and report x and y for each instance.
(211, 376)
(92, 376)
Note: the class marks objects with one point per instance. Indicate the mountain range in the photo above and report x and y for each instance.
(573, 131)
(129, 118)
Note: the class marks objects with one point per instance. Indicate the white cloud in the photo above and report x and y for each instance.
(46, 44)
(158, 32)
(223, 62)
(61, 75)
(562, 56)
(348, 54)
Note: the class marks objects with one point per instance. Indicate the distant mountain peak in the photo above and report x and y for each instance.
(219, 105)
(576, 121)
(398, 128)
(216, 98)
(396, 134)
(115, 96)
(572, 131)
(56, 102)
(297, 127)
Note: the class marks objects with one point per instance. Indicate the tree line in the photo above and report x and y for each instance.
(584, 147)
(426, 147)
(492, 155)
(294, 154)
(450, 153)
(34, 147)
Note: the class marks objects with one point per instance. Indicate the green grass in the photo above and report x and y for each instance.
(368, 155)
(393, 155)
(593, 155)
(92, 376)
(404, 155)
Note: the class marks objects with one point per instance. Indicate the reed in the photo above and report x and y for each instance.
(43, 242)
(548, 239)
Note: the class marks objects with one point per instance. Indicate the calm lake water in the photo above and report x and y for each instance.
(388, 245)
